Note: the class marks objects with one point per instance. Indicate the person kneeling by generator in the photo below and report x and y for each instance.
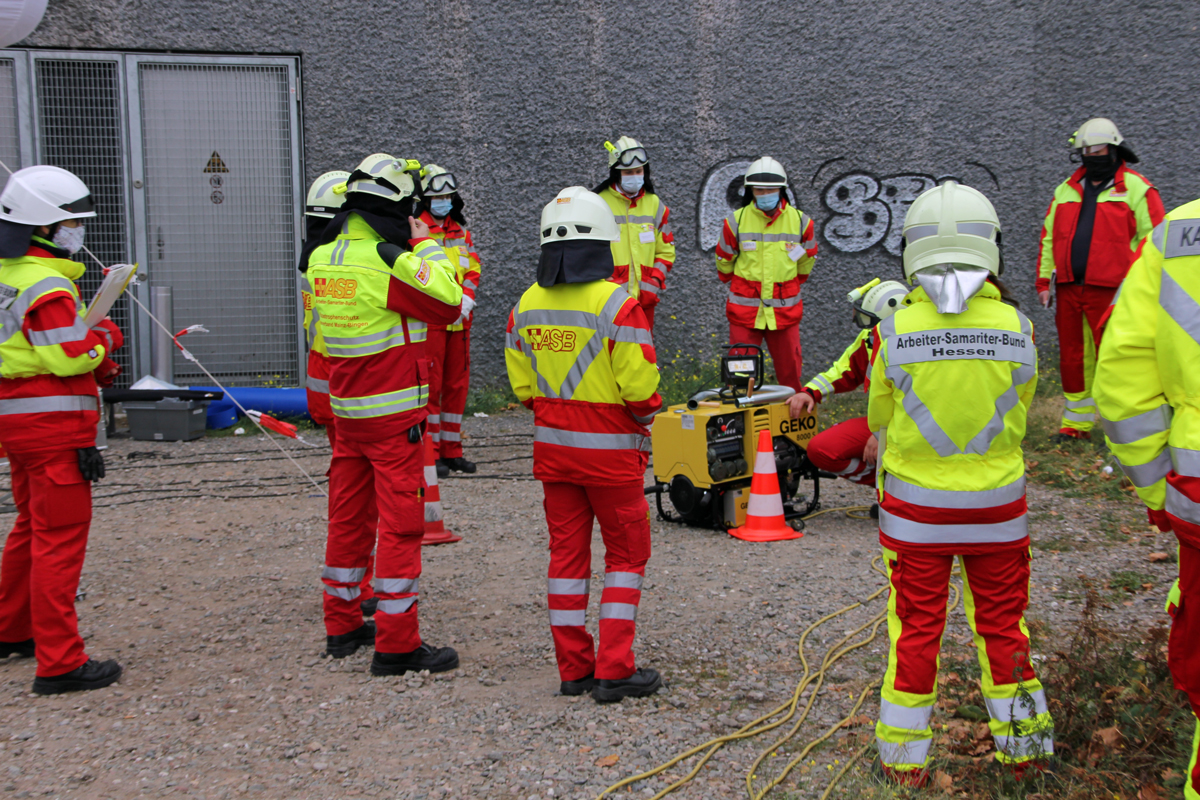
(848, 449)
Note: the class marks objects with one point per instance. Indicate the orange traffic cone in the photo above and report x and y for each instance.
(764, 515)
(435, 531)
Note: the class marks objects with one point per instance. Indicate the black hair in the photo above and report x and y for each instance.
(614, 180)
(1006, 294)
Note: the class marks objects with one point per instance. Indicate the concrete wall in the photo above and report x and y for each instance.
(863, 101)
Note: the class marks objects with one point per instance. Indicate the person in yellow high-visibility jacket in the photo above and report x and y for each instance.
(579, 354)
(645, 253)
(951, 385)
(1148, 391)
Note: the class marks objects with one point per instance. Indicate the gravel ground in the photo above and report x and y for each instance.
(202, 579)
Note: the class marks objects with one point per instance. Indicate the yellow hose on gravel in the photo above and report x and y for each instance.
(762, 725)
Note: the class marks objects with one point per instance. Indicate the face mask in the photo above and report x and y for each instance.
(69, 239)
(951, 286)
(440, 206)
(632, 184)
(1101, 168)
(767, 202)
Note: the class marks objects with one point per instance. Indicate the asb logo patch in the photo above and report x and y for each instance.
(422, 275)
(338, 288)
(554, 339)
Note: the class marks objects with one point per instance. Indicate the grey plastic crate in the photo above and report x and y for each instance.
(167, 420)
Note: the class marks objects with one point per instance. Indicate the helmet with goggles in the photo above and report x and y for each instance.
(384, 176)
(877, 300)
(627, 153)
(437, 181)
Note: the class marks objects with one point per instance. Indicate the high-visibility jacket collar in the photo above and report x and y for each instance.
(1118, 185)
(71, 270)
(774, 215)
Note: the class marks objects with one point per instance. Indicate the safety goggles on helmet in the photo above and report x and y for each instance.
(442, 183)
(633, 157)
(863, 318)
(1094, 149)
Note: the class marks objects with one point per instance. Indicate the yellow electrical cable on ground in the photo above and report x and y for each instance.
(751, 729)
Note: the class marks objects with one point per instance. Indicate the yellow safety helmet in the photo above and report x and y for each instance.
(437, 181)
(627, 153)
(951, 224)
(576, 214)
(327, 194)
(1099, 131)
(766, 171)
(384, 176)
(878, 300)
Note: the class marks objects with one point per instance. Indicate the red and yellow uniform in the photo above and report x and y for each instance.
(765, 258)
(646, 252)
(1087, 265)
(49, 409)
(840, 449)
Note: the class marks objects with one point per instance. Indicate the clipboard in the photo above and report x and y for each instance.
(114, 284)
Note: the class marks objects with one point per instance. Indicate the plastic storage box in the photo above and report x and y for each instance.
(166, 420)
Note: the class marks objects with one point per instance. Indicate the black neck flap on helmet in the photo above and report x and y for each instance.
(388, 218)
(574, 261)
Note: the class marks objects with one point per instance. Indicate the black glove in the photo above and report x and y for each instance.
(91, 464)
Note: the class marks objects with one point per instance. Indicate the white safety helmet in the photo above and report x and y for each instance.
(385, 176)
(627, 153)
(1097, 132)
(766, 171)
(327, 194)
(951, 224)
(44, 195)
(880, 301)
(436, 181)
(577, 214)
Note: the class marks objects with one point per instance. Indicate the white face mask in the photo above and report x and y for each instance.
(632, 184)
(69, 239)
(951, 286)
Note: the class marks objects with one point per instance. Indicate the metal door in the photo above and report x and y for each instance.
(219, 170)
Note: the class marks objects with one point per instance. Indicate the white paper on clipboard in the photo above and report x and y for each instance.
(114, 284)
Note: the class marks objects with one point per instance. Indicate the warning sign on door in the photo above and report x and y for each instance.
(215, 163)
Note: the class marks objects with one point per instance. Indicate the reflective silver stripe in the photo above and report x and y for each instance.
(1086, 402)
(1178, 304)
(906, 530)
(343, 574)
(646, 286)
(1035, 744)
(786, 302)
(346, 593)
(1178, 505)
(75, 332)
(470, 284)
(626, 611)
(314, 320)
(434, 419)
(898, 716)
(453, 419)
(913, 753)
(940, 344)
(399, 606)
(1133, 429)
(588, 441)
(575, 618)
(732, 221)
(454, 242)
(1158, 235)
(372, 188)
(1079, 416)
(633, 219)
(417, 331)
(946, 498)
(918, 232)
(984, 229)
(769, 237)
(450, 436)
(1184, 239)
(45, 405)
(380, 404)
(821, 384)
(317, 385)
(646, 420)
(397, 585)
(1186, 462)
(31, 294)
(659, 213)
(368, 344)
(1015, 709)
(623, 580)
(431, 472)
(567, 586)
(512, 341)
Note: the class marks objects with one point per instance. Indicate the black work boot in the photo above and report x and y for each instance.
(642, 683)
(20, 649)
(443, 471)
(434, 659)
(369, 606)
(577, 687)
(92, 675)
(345, 644)
(460, 464)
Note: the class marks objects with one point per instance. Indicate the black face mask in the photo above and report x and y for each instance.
(1101, 168)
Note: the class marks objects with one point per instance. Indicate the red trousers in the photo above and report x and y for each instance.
(449, 354)
(1079, 312)
(387, 474)
(373, 511)
(317, 391)
(840, 450)
(43, 558)
(625, 527)
(1183, 653)
(784, 346)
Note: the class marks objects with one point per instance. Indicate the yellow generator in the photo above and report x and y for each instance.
(704, 450)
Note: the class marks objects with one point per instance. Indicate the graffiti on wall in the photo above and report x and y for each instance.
(863, 210)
